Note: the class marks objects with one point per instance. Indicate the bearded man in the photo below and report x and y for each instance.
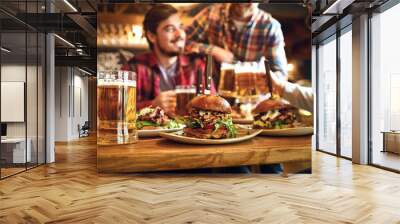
(161, 70)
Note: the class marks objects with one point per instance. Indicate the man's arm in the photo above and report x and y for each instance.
(299, 96)
(276, 50)
(197, 38)
(196, 33)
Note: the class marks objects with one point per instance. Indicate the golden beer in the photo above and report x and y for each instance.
(261, 83)
(246, 84)
(116, 109)
(227, 80)
(184, 94)
(245, 75)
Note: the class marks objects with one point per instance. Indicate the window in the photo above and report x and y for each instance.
(385, 87)
(22, 75)
(346, 93)
(326, 108)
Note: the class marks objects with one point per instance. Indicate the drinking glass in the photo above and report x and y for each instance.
(245, 81)
(261, 78)
(227, 80)
(116, 108)
(184, 94)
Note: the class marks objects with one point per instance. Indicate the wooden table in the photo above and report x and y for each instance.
(294, 153)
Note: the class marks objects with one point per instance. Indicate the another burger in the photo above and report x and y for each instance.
(209, 118)
(154, 118)
(274, 114)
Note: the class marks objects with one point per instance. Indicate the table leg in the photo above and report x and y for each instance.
(255, 168)
(294, 167)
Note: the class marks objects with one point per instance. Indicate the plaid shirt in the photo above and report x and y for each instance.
(148, 75)
(261, 36)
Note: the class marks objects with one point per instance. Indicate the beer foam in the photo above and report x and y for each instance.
(244, 67)
(192, 90)
(227, 66)
(105, 82)
(249, 67)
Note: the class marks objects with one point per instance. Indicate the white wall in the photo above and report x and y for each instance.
(33, 127)
(71, 102)
(61, 103)
(14, 73)
(80, 110)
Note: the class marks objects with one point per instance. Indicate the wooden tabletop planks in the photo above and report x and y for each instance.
(161, 154)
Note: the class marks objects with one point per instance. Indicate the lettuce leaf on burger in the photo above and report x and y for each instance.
(154, 118)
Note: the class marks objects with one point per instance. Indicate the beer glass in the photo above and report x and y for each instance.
(116, 108)
(245, 76)
(261, 78)
(184, 94)
(227, 80)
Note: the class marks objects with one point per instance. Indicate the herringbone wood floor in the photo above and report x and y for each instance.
(71, 191)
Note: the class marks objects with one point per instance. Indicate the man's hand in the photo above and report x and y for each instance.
(167, 101)
(222, 55)
(278, 83)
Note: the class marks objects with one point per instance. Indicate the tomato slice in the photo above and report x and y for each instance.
(210, 126)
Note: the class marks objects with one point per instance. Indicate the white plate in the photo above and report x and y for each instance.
(299, 131)
(242, 135)
(156, 132)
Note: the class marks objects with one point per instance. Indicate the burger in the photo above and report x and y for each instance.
(154, 118)
(209, 118)
(274, 114)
